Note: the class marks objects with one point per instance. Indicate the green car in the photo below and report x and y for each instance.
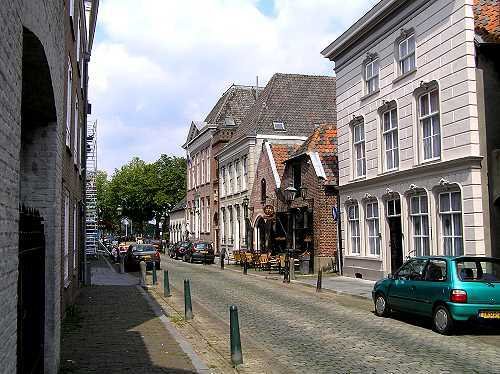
(446, 288)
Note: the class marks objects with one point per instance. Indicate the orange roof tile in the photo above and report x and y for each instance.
(487, 20)
(281, 152)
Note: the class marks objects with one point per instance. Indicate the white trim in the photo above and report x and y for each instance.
(277, 180)
(317, 164)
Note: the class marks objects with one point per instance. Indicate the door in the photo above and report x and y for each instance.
(402, 294)
(434, 287)
(396, 243)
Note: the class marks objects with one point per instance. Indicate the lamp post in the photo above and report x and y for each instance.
(246, 201)
(289, 194)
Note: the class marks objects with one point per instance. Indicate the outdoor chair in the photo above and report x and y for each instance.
(264, 261)
(237, 257)
(249, 259)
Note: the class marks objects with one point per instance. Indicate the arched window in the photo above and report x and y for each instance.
(263, 192)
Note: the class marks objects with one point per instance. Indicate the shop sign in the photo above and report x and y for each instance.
(269, 210)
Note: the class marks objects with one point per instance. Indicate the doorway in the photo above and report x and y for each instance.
(395, 233)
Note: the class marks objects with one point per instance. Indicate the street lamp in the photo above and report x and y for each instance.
(290, 193)
(246, 201)
(303, 192)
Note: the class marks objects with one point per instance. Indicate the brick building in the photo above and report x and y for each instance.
(418, 99)
(44, 45)
(204, 140)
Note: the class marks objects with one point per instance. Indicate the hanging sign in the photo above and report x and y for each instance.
(269, 210)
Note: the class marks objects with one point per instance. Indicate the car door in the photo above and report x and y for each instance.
(434, 287)
(402, 294)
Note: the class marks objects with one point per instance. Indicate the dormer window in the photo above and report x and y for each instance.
(279, 126)
(406, 52)
(371, 76)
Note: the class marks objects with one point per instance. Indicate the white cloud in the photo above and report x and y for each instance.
(158, 64)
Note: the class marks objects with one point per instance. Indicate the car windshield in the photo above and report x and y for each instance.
(144, 248)
(478, 270)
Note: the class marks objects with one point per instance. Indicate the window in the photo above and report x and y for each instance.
(359, 149)
(202, 215)
(450, 210)
(66, 238)
(420, 225)
(390, 134)
(393, 208)
(373, 228)
(237, 167)
(429, 123)
(297, 176)
(202, 167)
(69, 101)
(75, 233)
(208, 215)
(75, 132)
(198, 170)
(245, 172)
(412, 270)
(279, 126)
(223, 179)
(371, 76)
(353, 218)
(263, 192)
(78, 36)
(231, 180)
(436, 271)
(209, 165)
(407, 55)
(479, 270)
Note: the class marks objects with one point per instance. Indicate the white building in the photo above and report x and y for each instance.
(177, 222)
(411, 169)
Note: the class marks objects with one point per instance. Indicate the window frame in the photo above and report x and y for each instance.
(432, 116)
(66, 230)
(407, 57)
(374, 77)
(420, 215)
(392, 131)
(452, 213)
(279, 126)
(354, 222)
(373, 224)
(69, 102)
(361, 143)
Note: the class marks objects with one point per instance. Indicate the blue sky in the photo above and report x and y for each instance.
(159, 64)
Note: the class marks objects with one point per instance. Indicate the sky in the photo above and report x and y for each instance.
(157, 65)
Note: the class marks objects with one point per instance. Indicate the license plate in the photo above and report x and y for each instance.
(147, 258)
(489, 315)
(203, 252)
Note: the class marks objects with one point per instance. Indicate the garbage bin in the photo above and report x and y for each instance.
(304, 264)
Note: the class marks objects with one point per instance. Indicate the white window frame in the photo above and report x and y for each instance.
(372, 83)
(238, 175)
(208, 165)
(223, 179)
(75, 127)
(430, 117)
(354, 228)
(69, 103)
(373, 227)
(388, 209)
(66, 239)
(456, 236)
(390, 133)
(359, 150)
(245, 172)
(202, 215)
(75, 233)
(279, 126)
(419, 216)
(406, 59)
(202, 167)
(208, 215)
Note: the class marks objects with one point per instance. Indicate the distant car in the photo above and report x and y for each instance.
(200, 252)
(448, 289)
(180, 249)
(142, 252)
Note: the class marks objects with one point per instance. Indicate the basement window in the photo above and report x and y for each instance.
(279, 126)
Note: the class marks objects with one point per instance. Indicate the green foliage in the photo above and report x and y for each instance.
(143, 190)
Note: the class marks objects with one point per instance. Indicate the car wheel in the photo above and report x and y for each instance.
(381, 306)
(442, 321)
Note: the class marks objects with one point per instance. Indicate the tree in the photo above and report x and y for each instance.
(105, 203)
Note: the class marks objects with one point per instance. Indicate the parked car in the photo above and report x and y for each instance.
(180, 249)
(142, 252)
(448, 289)
(200, 251)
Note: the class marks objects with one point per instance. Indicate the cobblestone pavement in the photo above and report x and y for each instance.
(112, 329)
(326, 333)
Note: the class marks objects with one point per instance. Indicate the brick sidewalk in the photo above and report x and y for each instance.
(113, 329)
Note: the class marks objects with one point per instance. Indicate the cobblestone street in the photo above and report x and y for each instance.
(311, 333)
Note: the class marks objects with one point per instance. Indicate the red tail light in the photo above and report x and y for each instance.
(458, 296)
(157, 254)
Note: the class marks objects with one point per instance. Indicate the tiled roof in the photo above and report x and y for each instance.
(234, 103)
(299, 101)
(180, 205)
(281, 152)
(323, 141)
(487, 20)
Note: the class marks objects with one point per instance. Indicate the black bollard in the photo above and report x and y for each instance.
(155, 279)
(166, 284)
(188, 307)
(222, 255)
(234, 327)
(286, 270)
(319, 281)
(245, 267)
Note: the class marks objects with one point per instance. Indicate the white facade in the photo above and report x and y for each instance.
(408, 135)
(177, 226)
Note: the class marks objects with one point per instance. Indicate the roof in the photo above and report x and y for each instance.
(487, 20)
(281, 153)
(322, 146)
(299, 101)
(181, 205)
(234, 103)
